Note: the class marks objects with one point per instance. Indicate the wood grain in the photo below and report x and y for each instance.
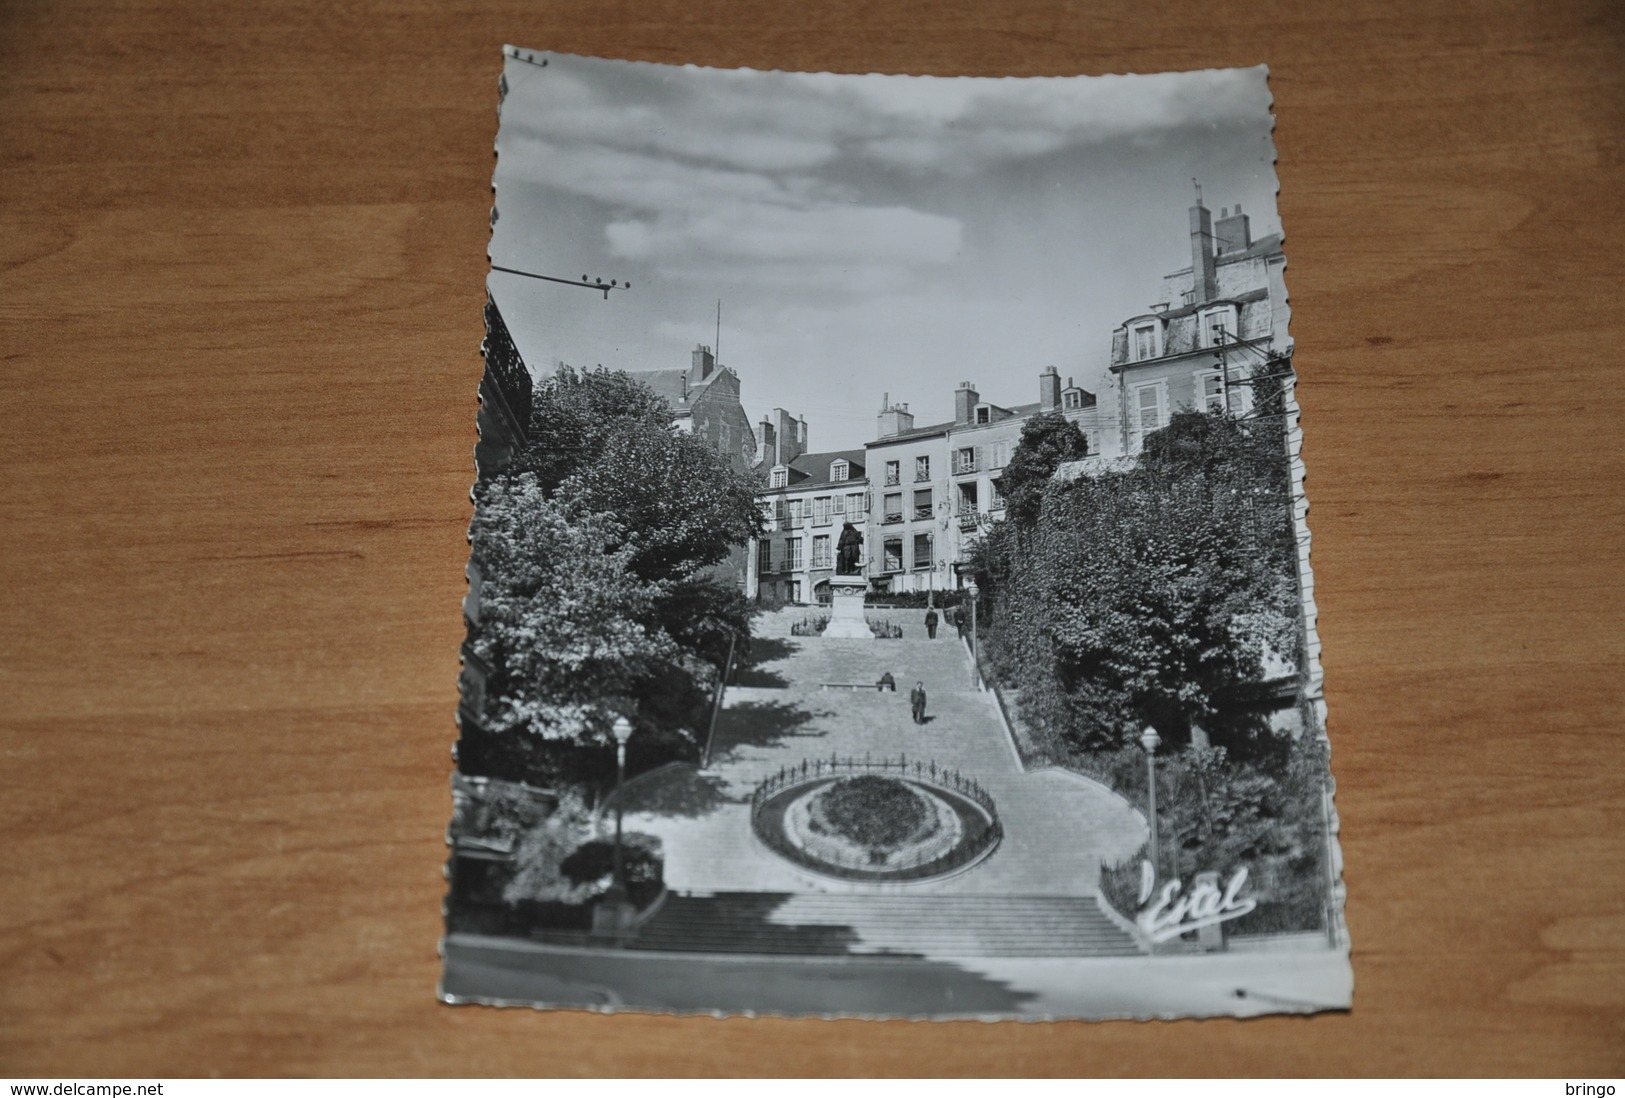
(243, 257)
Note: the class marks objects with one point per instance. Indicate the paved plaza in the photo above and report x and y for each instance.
(1058, 827)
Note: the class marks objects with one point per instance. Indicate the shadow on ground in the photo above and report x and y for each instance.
(764, 650)
(679, 792)
(761, 724)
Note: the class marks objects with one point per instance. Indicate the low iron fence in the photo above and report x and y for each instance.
(922, 771)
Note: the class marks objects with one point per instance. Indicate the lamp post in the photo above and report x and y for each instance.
(975, 667)
(1150, 741)
(623, 732)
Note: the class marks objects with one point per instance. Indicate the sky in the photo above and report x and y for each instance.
(865, 234)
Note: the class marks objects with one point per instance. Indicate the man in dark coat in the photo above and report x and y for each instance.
(916, 702)
(959, 621)
(931, 624)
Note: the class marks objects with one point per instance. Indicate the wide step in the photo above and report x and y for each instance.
(824, 924)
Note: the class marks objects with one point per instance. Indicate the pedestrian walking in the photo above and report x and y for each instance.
(959, 621)
(930, 623)
(916, 702)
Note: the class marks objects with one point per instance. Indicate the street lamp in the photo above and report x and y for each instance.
(1150, 741)
(976, 668)
(623, 732)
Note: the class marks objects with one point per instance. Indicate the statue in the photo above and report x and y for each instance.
(849, 551)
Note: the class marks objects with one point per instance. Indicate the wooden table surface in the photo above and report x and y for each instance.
(243, 262)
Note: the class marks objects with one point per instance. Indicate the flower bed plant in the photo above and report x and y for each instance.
(874, 812)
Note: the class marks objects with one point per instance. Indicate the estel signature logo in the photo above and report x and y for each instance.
(1173, 914)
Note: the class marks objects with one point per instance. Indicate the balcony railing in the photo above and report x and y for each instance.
(893, 516)
(923, 512)
(965, 465)
(967, 520)
(893, 479)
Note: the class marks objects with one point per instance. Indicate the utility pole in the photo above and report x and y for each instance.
(595, 284)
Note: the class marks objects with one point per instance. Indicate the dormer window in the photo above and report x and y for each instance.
(839, 470)
(779, 477)
(1072, 399)
(1218, 325)
(1145, 341)
(984, 414)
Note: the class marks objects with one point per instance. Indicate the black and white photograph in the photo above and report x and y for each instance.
(889, 580)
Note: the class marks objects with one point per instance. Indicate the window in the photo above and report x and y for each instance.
(792, 560)
(999, 454)
(1212, 393)
(839, 470)
(855, 507)
(1218, 325)
(892, 554)
(769, 512)
(795, 513)
(967, 498)
(996, 502)
(922, 468)
(823, 511)
(795, 590)
(984, 414)
(893, 507)
(821, 557)
(965, 460)
(1145, 341)
(923, 507)
(1147, 412)
(922, 550)
(894, 474)
(764, 557)
(779, 477)
(1072, 399)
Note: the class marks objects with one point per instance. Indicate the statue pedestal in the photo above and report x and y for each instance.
(846, 608)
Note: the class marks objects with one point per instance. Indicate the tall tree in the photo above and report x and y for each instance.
(1046, 441)
(595, 550)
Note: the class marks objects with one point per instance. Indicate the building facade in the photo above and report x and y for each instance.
(705, 401)
(936, 487)
(1220, 323)
(808, 502)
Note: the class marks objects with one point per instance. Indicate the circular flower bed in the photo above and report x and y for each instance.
(877, 813)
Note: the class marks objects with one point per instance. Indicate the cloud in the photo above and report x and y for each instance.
(844, 234)
(774, 122)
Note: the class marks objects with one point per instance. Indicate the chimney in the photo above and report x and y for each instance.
(1233, 231)
(1204, 272)
(792, 436)
(894, 419)
(703, 361)
(965, 401)
(1049, 390)
(683, 382)
(769, 448)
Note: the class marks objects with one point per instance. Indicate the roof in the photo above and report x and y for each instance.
(1247, 298)
(915, 432)
(670, 384)
(812, 470)
(1264, 245)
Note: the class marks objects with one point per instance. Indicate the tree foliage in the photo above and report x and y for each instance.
(1148, 596)
(599, 597)
(1046, 441)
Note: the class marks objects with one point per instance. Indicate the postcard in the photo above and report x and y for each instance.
(889, 590)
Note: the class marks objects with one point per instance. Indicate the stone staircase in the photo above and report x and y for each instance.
(1058, 828)
(835, 924)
